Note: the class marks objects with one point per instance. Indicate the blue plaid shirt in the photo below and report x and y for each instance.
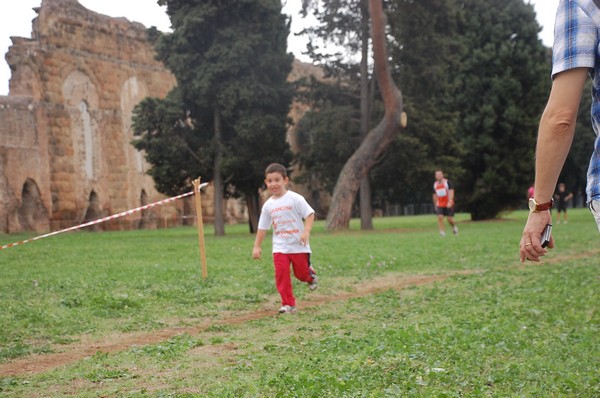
(577, 45)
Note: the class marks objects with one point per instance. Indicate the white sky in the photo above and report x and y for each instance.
(16, 16)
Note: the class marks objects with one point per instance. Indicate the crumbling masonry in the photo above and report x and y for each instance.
(65, 128)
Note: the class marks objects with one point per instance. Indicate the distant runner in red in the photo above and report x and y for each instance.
(443, 200)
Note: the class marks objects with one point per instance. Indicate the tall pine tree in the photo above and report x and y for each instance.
(501, 90)
(228, 114)
(427, 49)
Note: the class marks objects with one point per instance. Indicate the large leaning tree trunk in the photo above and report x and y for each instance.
(374, 145)
(366, 209)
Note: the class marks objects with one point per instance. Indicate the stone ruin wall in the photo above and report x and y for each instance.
(65, 128)
(65, 131)
(24, 146)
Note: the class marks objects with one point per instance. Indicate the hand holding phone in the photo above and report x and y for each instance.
(546, 233)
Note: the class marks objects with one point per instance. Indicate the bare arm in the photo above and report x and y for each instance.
(308, 223)
(555, 136)
(556, 131)
(260, 236)
(450, 197)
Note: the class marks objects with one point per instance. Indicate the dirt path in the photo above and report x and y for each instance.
(121, 341)
(118, 342)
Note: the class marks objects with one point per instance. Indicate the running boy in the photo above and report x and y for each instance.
(285, 210)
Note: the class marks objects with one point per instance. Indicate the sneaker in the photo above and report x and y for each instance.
(455, 230)
(287, 309)
(312, 285)
(442, 234)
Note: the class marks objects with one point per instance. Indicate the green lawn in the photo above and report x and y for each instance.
(492, 328)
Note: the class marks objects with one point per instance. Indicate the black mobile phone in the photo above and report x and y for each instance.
(545, 239)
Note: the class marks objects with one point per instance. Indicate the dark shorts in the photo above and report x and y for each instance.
(445, 211)
(562, 208)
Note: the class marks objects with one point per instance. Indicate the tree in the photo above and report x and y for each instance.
(366, 208)
(173, 146)
(501, 89)
(376, 141)
(427, 46)
(329, 132)
(231, 66)
(475, 79)
(345, 25)
(327, 138)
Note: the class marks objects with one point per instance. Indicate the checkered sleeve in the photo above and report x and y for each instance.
(575, 38)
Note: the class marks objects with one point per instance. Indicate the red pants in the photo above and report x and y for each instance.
(300, 263)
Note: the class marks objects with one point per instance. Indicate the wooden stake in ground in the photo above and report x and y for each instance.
(200, 222)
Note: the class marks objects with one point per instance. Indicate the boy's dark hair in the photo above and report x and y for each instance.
(276, 168)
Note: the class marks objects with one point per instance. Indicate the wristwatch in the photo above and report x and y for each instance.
(536, 207)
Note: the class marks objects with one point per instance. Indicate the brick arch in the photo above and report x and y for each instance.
(32, 214)
(146, 215)
(93, 211)
(78, 87)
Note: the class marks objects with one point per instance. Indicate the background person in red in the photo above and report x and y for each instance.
(443, 200)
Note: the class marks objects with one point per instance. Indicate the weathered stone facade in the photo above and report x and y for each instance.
(65, 128)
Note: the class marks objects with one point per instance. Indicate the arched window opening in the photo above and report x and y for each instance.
(145, 221)
(93, 212)
(32, 214)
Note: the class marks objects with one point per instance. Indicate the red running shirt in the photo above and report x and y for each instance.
(442, 192)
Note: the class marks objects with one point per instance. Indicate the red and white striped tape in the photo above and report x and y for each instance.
(101, 220)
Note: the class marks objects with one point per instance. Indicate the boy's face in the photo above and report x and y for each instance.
(276, 183)
(561, 188)
(439, 175)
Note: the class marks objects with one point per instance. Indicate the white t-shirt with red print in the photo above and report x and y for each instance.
(286, 214)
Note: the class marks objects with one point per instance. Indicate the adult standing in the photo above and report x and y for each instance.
(443, 200)
(576, 53)
(561, 198)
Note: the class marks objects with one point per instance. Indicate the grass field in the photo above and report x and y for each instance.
(399, 312)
